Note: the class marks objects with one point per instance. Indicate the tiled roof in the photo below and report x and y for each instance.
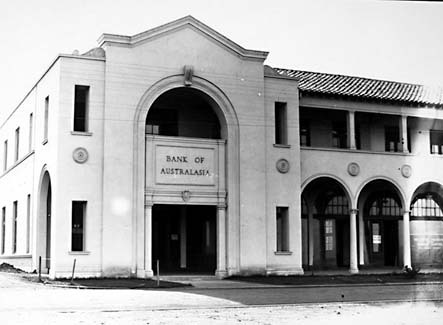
(364, 88)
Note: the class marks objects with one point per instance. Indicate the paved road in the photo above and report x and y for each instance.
(25, 303)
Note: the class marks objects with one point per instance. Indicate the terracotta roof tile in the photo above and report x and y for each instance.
(365, 88)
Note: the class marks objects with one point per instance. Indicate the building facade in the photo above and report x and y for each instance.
(179, 146)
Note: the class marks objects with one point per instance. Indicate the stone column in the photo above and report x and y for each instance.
(311, 237)
(361, 239)
(353, 267)
(221, 271)
(406, 240)
(404, 133)
(148, 240)
(351, 130)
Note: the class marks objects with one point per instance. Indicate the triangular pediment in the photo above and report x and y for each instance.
(185, 22)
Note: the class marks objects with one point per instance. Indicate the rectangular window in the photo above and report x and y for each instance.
(281, 123)
(162, 122)
(5, 155)
(17, 144)
(31, 130)
(282, 229)
(392, 138)
(329, 235)
(28, 223)
(305, 133)
(81, 103)
(78, 219)
(3, 229)
(14, 227)
(45, 125)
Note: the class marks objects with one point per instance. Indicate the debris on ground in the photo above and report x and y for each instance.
(5, 267)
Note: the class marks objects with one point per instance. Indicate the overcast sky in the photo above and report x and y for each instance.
(392, 40)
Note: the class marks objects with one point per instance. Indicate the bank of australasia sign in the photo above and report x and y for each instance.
(184, 165)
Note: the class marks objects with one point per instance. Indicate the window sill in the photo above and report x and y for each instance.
(283, 253)
(82, 133)
(79, 253)
(45, 141)
(287, 146)
(14, 255)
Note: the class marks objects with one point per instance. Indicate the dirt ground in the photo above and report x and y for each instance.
(24, 302)
(392, 314)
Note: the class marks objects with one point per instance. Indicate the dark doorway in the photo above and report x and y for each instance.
(382, 238)
(48, 227)
(343, 242)
(390, 233)
(184, 238)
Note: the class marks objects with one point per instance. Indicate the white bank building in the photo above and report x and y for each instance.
(179, 146)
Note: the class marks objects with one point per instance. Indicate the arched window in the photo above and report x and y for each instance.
(337, 205)
(384, 206)
(426, 206)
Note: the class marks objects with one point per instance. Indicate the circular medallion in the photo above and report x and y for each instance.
(406, 171)
(186, 195)
(282, 166)
(80, 155)
(353, 169)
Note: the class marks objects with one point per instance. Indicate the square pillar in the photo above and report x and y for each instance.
(350, 123)
(404, 133)
(221, 271)
(353, 267)
(311, 237)
(406, 240)
(148, 241)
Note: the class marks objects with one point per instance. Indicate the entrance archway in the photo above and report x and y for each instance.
(380, 224)
(44, 221)
(199, 116)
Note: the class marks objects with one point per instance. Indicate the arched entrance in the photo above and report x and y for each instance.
(326, 224)
(44, 221)
(188, 154)
(427, 225)
(381, 225)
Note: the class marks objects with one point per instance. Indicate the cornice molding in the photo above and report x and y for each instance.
(188, 21)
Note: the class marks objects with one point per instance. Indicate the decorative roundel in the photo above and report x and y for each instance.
(406, 171)
(80, 155)
(353, 169)
(186, 195)
(282, 166)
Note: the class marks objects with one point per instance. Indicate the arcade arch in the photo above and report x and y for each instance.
(381, 211)
(326, 224)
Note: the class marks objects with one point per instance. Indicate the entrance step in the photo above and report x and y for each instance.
(188, 278)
